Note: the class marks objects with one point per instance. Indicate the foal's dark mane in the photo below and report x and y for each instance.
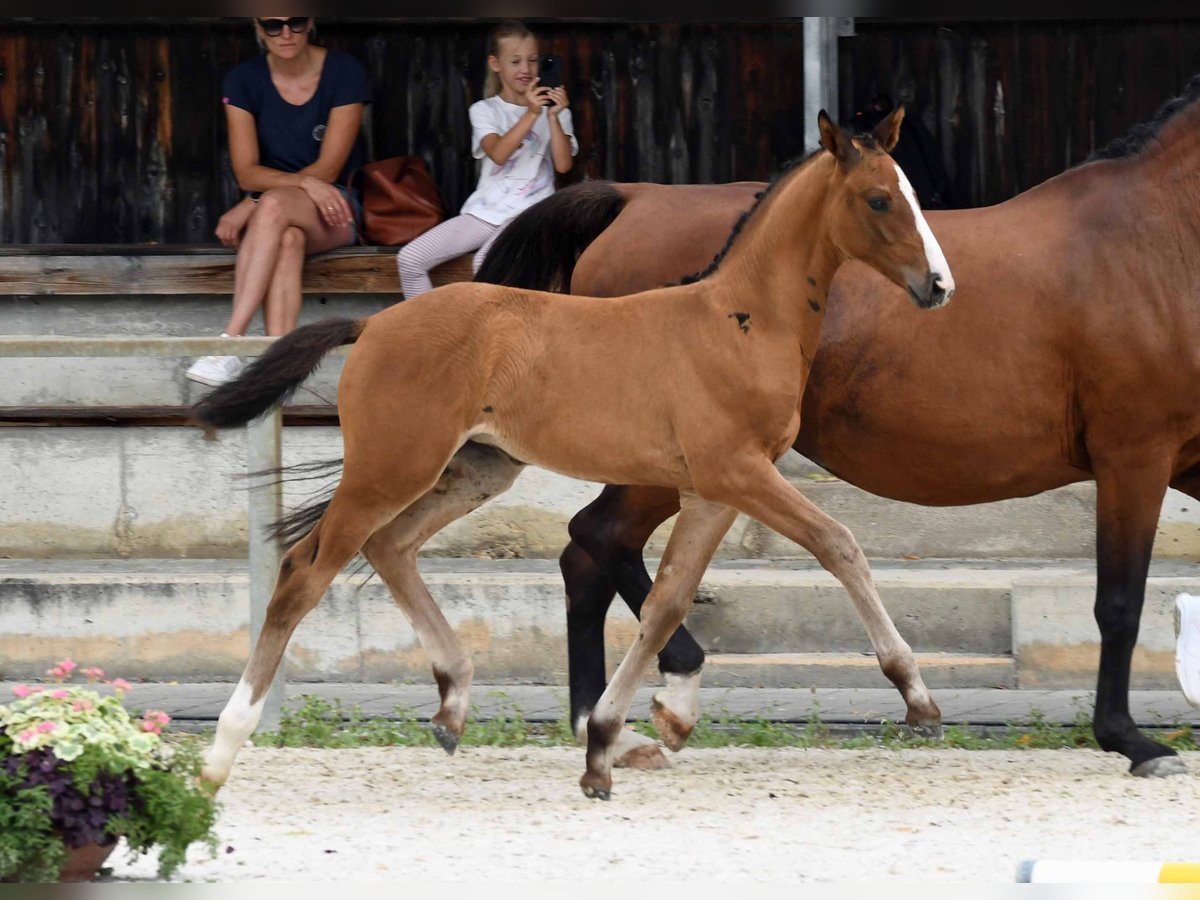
(1139, 136)
(778, 178)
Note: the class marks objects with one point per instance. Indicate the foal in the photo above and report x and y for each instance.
(697, 387)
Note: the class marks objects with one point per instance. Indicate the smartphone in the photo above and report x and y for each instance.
(550, 72)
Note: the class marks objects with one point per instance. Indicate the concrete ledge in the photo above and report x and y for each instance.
(1056, 640)
(188, 620)
(99, 491)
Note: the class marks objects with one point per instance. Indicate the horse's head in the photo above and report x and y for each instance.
(878, 220)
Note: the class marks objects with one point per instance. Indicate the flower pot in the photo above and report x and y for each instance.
(83, 863)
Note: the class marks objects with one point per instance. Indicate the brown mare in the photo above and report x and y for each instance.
(1072, 353)
(504, 367)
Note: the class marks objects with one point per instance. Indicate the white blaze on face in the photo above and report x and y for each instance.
(933, 251)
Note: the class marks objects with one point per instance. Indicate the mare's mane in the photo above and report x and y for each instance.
(1140, 136)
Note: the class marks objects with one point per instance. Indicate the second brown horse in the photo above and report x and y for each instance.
(1071, 353)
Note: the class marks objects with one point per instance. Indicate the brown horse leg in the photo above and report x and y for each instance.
(694, 539)
(475, 475)
(606, 553)
(305, 573)
(1128, 503)
(774, 502)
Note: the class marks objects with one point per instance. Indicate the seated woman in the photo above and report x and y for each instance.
(294, 116)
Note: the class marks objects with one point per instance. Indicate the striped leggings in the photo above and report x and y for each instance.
(451, 239)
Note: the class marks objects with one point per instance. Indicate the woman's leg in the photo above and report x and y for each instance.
(279, 210)
(281, 309)
(452, 238)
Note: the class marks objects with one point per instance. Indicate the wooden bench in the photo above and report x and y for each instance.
(138, 269)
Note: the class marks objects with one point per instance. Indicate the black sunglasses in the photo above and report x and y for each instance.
(274, 27)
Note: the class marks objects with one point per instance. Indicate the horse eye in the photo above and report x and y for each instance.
(879, 204)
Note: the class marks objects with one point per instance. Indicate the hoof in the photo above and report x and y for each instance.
(930, 731)
(596, 793)
(673, 732)
(447, 738)
(1159, 767)
(596, 787)
(647, 758)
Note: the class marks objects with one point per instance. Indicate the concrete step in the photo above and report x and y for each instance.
(115, 492)
(854, 670)
(1011, 623)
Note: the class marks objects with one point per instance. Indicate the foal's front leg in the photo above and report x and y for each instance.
(694, 540)
(764, 494)
(475, 475)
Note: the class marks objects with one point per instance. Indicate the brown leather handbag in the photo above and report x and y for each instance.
(400, 200)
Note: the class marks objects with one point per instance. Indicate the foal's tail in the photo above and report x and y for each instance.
(271, 379)
(538, 249)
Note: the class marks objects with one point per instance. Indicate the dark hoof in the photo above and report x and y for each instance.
(595, 793)
(930, 731)
(596, 787)
(447, 738)
(1159, 767)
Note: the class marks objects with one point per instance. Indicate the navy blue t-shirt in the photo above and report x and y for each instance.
(289, 136)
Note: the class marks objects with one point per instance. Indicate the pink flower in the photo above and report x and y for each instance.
(60, 694)
(93, 674)
(21, 691)
(45, 727)
(26, 736)
(151, 727)
(158, 716)
(67, 666)
(58, 673)
(120, 684)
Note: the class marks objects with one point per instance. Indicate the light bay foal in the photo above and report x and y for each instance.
(695, 387)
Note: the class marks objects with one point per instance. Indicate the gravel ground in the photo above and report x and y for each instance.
(732, 815)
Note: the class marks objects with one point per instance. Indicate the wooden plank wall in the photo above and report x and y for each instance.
(1013, 103)
(112, 131)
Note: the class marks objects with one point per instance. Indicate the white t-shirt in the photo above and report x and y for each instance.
(527, 176)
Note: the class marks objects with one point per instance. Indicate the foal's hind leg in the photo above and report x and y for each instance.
(764, 494)
(369, 496)
(694, 539)
(476, 474)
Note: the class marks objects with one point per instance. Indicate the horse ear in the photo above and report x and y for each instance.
(887, 132)
(836, 141)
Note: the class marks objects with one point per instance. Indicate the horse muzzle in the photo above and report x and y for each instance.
(936, 291)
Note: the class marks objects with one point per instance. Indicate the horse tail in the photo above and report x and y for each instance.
(274, 376)
(296, 523)
(539, 248)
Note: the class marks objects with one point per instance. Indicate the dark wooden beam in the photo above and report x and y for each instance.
(30, 270)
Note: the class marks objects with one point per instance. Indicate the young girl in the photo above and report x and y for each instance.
(523, 135)
(294, 115)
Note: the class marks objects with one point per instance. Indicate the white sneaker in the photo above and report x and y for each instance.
(215, 370)
(1187, 646)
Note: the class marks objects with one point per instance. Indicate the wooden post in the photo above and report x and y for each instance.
(820, 74)
(263, 440)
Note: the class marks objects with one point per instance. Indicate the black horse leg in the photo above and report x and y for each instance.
(589, 593)
(1127, 508)
(604, 556)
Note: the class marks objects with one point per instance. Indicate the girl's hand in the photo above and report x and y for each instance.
(536, 97)
(231, 225)
(332, 206)
(558, 101)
